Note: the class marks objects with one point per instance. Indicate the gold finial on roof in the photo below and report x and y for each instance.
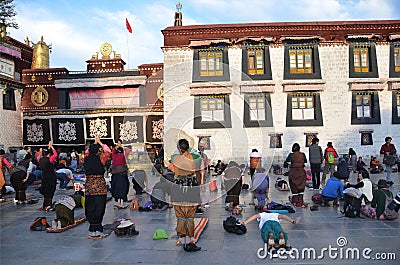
(178, 15)
(41, 55)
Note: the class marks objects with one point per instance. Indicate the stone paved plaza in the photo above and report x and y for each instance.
(318, 229)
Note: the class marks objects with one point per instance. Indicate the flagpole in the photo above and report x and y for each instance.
(127, 45)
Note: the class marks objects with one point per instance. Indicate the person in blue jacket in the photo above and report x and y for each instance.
(333, 190)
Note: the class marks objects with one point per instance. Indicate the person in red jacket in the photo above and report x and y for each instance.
(3, 164)
(330, 156)
(388, 150)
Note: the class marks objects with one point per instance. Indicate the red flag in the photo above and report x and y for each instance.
(128, 26)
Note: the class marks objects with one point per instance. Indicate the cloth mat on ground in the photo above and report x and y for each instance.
(276, 211)
(199, 226)
(78, 220)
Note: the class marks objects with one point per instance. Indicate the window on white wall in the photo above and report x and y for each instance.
(302, 107)
(363, 103)
(212, 108)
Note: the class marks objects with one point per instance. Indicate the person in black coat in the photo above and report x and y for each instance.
(49, 179)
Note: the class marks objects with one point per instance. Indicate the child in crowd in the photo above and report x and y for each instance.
(332, 190)
(260, 187)
(360, 164)
(271, 230)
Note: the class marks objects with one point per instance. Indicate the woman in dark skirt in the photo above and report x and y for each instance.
(49, 179)
(119, 179)
(233, 184)
(95, 189)
(19, 177)
(297, 175)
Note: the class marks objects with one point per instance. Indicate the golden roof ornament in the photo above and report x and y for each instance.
(41, 55)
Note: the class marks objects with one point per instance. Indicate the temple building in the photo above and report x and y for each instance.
(234, 87)
(14, 57)
(71, 107)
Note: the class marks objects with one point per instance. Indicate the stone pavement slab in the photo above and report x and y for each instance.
(318, 230)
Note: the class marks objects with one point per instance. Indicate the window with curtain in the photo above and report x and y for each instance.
(212, 108)
(363, 102)
(301, 59)
(303, 107)
(211, 63)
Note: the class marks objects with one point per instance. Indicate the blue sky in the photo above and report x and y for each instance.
(77, 28)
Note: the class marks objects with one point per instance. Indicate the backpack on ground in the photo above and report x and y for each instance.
(389, 213)
(331, 158)
(232, 225)
(39, 224)
(352, 206)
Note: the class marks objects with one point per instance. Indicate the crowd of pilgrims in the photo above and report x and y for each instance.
(188, 169)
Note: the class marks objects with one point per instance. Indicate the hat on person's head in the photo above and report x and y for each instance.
(125, 223)
(93, 149)
(382, 183)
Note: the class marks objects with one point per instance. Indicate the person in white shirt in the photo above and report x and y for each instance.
(271, 229)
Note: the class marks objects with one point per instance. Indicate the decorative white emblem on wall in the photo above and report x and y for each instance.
(128, 131)
(98, 127)
(67, 131)
(34, 132)
(158, 129)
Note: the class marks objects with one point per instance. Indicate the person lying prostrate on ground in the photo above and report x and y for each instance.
(364, 185)
(379, 198)
(281, 184)
(333, 189)
(271, 230)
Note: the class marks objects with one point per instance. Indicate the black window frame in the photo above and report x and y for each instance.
(199, 124)
(247, 122)
(272, 143)
(370, 138)
(318, 117)
(395, 113)
(196, 77)
(316, 66)
(9, 100)
(375, 109)
(309, 141)
(267, 75)
(373, 65)
(392, 72)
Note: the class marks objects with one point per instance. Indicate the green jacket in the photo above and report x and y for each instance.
(379, 200)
